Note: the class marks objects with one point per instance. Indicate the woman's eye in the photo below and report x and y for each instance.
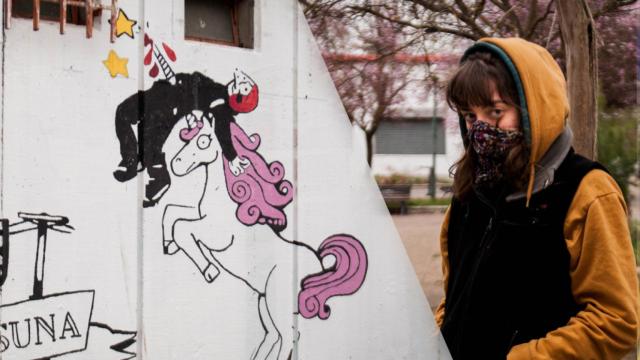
(496, 113)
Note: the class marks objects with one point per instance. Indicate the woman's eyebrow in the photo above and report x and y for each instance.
(498, 101)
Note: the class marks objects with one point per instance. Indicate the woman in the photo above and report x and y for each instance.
(537, 256)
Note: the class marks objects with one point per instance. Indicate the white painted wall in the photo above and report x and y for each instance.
(58, 154)
(59, 150)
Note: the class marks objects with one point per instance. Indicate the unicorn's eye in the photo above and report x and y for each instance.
(203, 141)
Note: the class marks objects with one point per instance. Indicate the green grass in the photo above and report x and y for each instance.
(429, 202)
(406, 179)
(395, 205)
(634, 227)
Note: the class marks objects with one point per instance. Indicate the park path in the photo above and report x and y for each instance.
(420, 233)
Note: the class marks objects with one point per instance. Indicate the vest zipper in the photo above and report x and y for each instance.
(485, 243)
(486, 240)
(487, 237)
(471, 283)
(513, 338)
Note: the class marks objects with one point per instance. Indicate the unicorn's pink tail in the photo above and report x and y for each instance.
(343, 278)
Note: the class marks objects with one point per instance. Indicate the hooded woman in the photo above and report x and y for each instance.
(536, 251)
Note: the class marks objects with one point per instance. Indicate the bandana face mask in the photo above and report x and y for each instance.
(492, 145)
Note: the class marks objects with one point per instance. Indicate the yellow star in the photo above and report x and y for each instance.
(116, 65)
(124, 25)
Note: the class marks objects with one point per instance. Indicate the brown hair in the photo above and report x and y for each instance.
(472, 85)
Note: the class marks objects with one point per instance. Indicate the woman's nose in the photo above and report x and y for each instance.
(485, 119)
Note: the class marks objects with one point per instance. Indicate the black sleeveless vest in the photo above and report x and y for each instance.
(509, 277)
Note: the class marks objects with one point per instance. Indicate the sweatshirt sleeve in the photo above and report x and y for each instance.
(445, 265)
(603, 279)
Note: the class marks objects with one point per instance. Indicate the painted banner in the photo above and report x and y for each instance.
(55, 325)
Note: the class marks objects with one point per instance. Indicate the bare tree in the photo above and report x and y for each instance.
(578, 34)
(540, 21)
(372, 65)
(369, 89)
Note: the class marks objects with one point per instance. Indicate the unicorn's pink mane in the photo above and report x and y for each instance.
(261, 192)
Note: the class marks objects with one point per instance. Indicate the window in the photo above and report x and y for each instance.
(51, 11)
(410, 136)
(228, 22)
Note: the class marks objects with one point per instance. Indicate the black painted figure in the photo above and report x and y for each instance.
(155, 112)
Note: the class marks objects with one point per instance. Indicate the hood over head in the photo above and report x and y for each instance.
(541, 87)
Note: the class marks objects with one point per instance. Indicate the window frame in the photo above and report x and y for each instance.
(235, 29)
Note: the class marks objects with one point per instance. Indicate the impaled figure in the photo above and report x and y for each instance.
(156, 111)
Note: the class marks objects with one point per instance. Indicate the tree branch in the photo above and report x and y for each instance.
(531, 29)
(612, 6)
(508, 13)
(426, 27)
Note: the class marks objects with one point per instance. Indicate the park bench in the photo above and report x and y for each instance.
(395, 194)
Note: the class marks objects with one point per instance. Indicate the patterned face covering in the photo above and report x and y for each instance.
(492, 145)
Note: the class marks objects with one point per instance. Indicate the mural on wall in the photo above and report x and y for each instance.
(124, 25)
(167, 101)
(155, 56)
(239, 188)
(53, 325)
(116, 65)
(258, 195)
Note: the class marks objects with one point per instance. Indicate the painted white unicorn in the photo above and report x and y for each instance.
(218, 234)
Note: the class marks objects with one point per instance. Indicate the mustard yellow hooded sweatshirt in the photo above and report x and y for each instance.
(602, 264)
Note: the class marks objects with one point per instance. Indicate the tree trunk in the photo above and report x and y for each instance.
(578, 37)
(369, 135)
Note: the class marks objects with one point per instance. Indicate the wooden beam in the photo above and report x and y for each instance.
(7, 13)
(89, 17)
(36, 15)
(234, 25)
(64, 5)
(114, 14)
(63, 15)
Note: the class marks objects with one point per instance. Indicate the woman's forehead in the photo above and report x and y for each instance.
(496, 101)
(476, 84)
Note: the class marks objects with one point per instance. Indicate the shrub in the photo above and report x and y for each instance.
(634, 227)
(618, 145)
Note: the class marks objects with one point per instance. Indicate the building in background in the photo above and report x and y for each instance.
(391, 98)
(404, 143)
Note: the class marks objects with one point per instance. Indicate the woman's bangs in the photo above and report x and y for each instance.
(471, 86)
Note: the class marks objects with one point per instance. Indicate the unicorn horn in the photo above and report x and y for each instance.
(191, 121)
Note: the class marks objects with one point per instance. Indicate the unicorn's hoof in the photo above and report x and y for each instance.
(170, 247)
(210, 273)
